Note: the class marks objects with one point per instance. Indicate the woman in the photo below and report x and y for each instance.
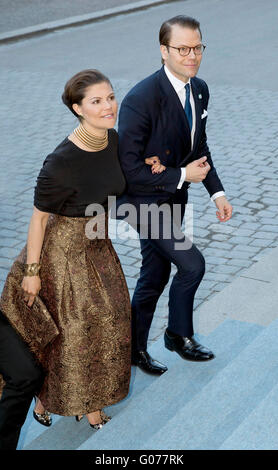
(79, 279)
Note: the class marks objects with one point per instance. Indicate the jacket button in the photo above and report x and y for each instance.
(167, 152)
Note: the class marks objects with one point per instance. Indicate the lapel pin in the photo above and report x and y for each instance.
(200, 96)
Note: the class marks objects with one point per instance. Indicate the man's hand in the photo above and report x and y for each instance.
(225, 209)
(157, 167)
(197, 170)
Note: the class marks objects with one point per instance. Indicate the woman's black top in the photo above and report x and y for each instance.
(71, 178)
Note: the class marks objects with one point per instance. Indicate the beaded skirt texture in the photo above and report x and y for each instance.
(82, 334)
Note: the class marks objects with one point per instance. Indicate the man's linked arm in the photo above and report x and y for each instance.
(134, 131)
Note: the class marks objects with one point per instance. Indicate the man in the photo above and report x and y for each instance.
(23, 380)
(165, 116)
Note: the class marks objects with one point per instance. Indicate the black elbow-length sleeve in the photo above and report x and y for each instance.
(53, 184)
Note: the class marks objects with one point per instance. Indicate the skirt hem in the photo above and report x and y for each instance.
(79, 413)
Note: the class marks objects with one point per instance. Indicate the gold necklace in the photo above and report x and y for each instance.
(90, 140)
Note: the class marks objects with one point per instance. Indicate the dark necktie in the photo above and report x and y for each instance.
(187, 105)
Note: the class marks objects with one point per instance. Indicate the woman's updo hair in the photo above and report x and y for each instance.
(76, 86)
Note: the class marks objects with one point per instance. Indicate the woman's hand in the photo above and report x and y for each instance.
(31, 286)
(157, 167)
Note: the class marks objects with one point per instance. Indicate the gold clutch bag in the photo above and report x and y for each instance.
(34, 324)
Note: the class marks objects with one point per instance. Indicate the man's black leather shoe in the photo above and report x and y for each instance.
(143, 360)
(187, 348)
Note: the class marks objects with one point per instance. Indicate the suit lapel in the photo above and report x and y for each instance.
(198, 110)
(172, 109)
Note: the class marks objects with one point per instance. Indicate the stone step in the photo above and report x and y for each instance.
(213, 414)
(259, 430)
(148, 412)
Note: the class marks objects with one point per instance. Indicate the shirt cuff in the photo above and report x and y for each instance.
(182, 179)
(216, 195)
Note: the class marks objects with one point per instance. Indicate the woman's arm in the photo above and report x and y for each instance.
(31, 285)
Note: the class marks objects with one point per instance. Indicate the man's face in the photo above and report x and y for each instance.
(182, 67)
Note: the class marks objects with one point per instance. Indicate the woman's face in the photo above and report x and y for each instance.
(98, 108)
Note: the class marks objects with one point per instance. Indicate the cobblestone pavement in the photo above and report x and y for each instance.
(242, 134)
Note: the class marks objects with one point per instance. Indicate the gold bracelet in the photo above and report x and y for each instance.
(32, 269)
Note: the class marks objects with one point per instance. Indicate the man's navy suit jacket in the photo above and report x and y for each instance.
(152, 122)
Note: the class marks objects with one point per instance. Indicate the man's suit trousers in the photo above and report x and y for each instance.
(157, 256)
(23, 379)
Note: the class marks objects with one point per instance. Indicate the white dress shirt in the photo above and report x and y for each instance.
(179, 87)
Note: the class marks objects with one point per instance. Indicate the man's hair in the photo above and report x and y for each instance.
(181, 20)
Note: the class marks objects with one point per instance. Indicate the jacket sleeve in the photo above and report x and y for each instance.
(135, 130)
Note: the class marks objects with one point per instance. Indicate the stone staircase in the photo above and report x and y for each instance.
(227, 403)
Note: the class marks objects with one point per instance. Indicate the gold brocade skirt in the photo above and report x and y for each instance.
(84, 290)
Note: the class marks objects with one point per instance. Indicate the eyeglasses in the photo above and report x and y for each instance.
(185, 50)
